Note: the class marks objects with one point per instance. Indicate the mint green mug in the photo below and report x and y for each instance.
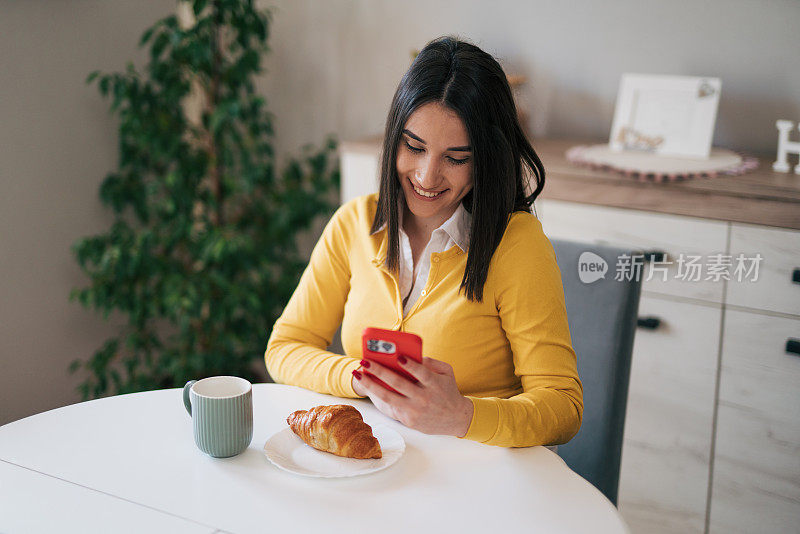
(221, 408)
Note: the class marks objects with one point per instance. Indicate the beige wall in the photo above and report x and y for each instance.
(335, 64)
(57, 142)
(333, 69)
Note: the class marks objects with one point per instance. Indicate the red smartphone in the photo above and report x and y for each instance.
(384, 346)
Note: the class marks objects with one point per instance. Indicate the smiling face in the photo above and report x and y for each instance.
(434, 165)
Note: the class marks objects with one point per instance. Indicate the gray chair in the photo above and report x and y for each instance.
(602, 321)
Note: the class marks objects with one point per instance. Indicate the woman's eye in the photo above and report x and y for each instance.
(413, 148)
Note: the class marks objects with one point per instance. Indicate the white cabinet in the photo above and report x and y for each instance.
(774, 290)
(757, 457)
(668, 450)
(359, 170)
(652, 232)
(668, 423)
(756, 480)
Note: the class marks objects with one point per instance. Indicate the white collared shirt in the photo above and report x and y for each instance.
(455, 231)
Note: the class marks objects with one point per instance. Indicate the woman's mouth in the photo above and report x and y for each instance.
(425, 195)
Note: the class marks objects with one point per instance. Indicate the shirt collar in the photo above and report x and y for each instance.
(458, 226)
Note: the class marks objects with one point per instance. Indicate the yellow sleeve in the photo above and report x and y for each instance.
(530, 302)
(295, 351)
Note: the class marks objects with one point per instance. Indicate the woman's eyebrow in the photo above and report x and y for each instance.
(465, 148)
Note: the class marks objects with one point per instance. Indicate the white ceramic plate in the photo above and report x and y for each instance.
(290, 453)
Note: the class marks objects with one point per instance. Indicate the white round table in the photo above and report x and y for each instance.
(129, 463)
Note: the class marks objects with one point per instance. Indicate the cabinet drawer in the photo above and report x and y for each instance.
(756, 486)
(672, 234)
(668, 426)
(774, 289)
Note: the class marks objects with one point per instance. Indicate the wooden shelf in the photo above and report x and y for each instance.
(759, 197)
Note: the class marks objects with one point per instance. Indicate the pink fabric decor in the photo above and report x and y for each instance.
(645, 167)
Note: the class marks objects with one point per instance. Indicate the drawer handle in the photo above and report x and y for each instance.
(654, 255)
(793, 346)
(796, 276)
(651, 323)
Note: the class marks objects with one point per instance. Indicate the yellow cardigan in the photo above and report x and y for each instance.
(512, 353)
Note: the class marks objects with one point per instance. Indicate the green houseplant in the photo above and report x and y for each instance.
(202, 254)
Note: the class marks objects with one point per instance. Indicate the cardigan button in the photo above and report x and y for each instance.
(424, 292)
(436, 259)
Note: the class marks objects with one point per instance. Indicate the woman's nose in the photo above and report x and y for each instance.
(426, 176)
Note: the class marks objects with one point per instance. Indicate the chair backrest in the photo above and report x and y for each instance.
(602, 321)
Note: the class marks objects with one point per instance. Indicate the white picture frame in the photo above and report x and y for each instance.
(666, 115)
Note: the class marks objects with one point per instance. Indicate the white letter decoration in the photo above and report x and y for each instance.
(785, 146)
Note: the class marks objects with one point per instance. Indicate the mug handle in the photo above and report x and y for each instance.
(186, 401)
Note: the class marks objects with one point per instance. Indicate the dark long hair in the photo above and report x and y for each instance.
(464, 78)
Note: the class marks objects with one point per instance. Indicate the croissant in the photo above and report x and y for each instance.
(338, 429)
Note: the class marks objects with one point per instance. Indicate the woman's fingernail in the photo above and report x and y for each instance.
(356, 374)
(364, 364)
(401, 359)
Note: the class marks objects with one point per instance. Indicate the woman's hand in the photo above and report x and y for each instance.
(432, 406)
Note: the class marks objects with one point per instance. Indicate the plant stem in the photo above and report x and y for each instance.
(216, 169)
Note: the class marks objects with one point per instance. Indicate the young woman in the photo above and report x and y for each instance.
(448, 250)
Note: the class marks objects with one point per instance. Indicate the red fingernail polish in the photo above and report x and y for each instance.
(364, 364)
(356, 374)
(401, 359)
